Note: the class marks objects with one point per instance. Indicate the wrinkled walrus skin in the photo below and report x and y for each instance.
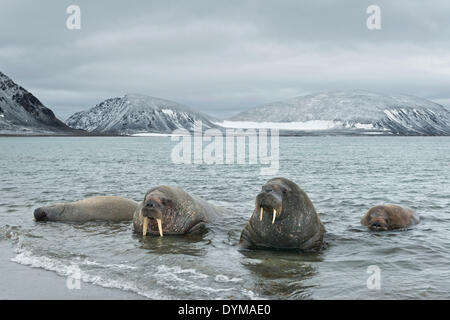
(169, 210)
(389, 217)
(284, 218)
(101, 208)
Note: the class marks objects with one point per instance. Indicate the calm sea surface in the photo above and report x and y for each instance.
(343, 176)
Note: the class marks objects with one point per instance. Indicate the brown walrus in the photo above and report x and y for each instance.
(103, 208)
(389, 217)
(168, 210)
(284, 218)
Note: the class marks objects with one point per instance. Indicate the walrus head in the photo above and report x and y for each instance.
(169, 210)
(377, 219)
(269, 202)
(155, 206)
(284, 217)
(48, 213)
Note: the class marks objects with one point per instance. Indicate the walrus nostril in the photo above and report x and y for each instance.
(376, 225)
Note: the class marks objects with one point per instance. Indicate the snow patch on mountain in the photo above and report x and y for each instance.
(22, 113)
(136, 113)
(350, 110)
(307, 125)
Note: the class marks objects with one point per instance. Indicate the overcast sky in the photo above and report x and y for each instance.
(221, 57)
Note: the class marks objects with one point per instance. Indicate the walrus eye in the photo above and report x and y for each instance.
(166, 202)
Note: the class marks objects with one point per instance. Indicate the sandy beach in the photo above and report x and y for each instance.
(18, 282)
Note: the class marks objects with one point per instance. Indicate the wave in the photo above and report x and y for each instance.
(73, 270)
(173, 278)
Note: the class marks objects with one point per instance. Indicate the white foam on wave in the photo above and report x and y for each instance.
(166, 275)
(68, 270)
(172, 278)
(224, 278)
(112, 266)
(9, 232)
(191, 273)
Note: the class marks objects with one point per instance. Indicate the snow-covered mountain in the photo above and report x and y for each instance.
(355, 111)
(22, 113)
(135, 113)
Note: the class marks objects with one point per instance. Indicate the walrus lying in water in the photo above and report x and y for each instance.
(172, 211)
(284, 218)
(106, 208)
(389, 217)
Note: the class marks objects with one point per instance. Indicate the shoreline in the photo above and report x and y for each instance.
(281, 134)
(20, 282)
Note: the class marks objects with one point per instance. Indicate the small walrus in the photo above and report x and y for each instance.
(284, 218)
(106, 208)
(169, 210)
(389, 217)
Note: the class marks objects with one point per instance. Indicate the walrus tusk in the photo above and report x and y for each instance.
(160, 227)
(260, 214)
(145, 226)
(274, 216)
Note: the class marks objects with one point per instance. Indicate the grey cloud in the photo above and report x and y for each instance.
(222, 56)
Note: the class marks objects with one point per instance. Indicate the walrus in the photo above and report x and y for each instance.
(389, 217)
(106, 208)
(168, 210)
(284, 218)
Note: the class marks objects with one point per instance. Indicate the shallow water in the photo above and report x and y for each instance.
(343, 176)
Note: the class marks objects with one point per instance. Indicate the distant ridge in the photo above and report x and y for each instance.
(21, 113)
(356, 110)
(137, 113)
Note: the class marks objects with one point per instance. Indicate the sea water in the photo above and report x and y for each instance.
(343, 176)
